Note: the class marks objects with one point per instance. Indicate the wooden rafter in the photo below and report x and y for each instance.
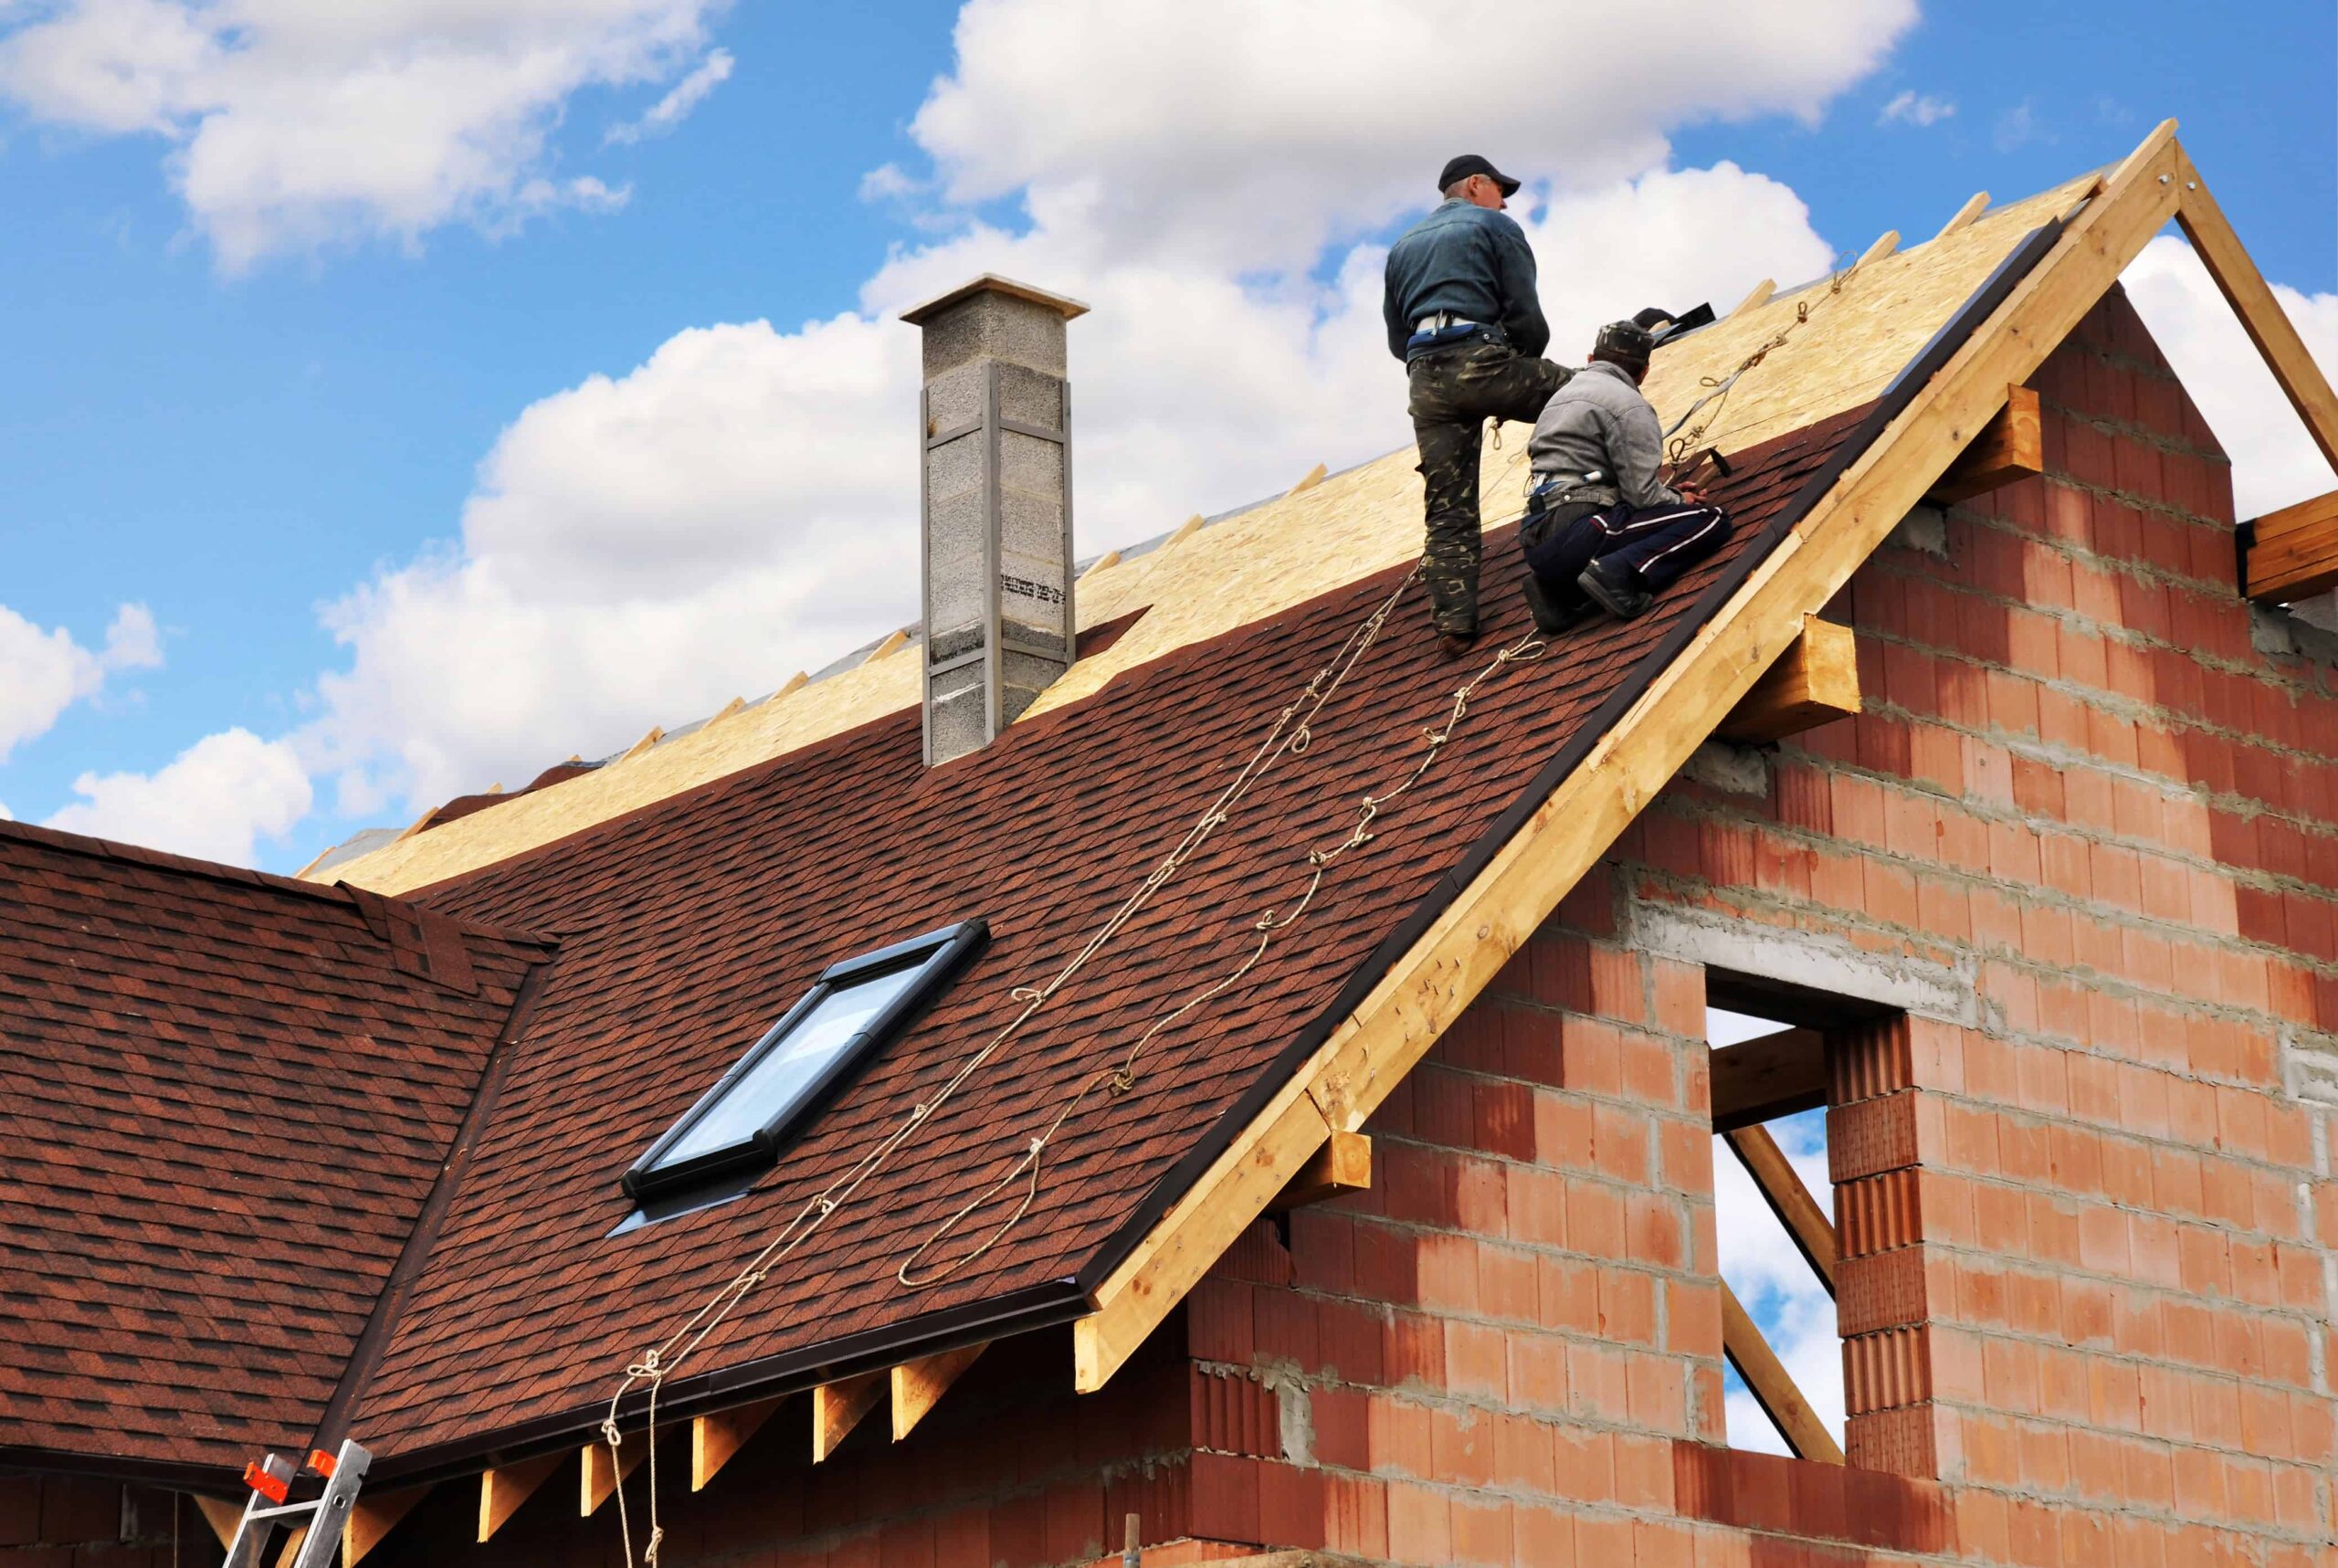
(918, 1385)
(1885, 244)
(1758, 295)
(2261, 316)
(1781, 1188)
(1760, 1080)
(1426, 989)
(374, 1515)
(221, 1515)
(838, 1407)
(605, 1471)
(1814, 682)
(1974, 205)
(1766, 1378)
(1307, 482)
(503, 1487)
(2010, 446)
(1344, 1164)
(715, 1437)
(2291, 553)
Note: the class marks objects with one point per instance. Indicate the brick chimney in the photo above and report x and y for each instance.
(995, 439)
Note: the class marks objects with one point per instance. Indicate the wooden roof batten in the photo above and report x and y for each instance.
(1426, 988)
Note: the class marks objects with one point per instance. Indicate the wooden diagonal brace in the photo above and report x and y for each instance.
(373, 1517)
(918, 1385)
(838, 1407)
(2010, 446)
(715, 1437)
(503, 1487)
(1814, 682)
(1789, 1199)
(1766, 1377)
(605, 1471)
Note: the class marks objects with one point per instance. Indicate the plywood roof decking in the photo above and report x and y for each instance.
(1288, 550)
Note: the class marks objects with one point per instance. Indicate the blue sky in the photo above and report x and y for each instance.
(240, 408)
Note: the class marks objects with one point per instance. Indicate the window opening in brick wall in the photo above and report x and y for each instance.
(1761, 1263)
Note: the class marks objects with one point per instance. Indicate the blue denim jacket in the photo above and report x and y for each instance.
(1472, 261)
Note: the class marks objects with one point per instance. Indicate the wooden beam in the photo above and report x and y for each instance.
(1185, 530)
(604, 1472)
(715, 1437)
(895, 640)
(373, 1517)
(733, 706)
(919, 1385)
(1758, 296)
(655, 733)
(1974, 205)
(1777, 1075)
(221, 1515)
(2291, 553)
(1344, 1164)
(1815, 681)
(795, 683)
(1885, 244)
(503, 1487)
(1783, 1189)
(1307, 482)
(1766, 1378)
(838, 1407)
(1426, 988)
(2261, 316)
(2010, 446)
(1104, 563)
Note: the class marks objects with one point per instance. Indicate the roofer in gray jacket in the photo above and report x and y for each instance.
(1462, 315)
(1602, 531)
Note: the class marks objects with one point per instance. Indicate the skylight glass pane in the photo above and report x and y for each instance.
(766, 1088)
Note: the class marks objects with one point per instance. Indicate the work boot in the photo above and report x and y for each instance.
(1551, 619)
(1617, 590)
(1456, 645)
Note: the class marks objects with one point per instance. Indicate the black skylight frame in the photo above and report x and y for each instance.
(937, 957)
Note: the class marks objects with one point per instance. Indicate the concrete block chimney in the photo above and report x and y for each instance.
(995, 440)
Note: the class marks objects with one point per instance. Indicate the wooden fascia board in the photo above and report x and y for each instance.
(1427, 988)
(1768, 1380)
(1814, 682)
(503, 1487)
(2261, 316)
(1781, 1188)
(374, 1516)
(2010, 446)
(2291, 553)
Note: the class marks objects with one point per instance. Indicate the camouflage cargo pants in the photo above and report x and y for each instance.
(1454, 392)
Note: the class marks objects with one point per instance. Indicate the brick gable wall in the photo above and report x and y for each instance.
(2087, 1220)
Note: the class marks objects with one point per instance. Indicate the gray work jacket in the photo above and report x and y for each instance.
(1598, 420)
(1471, 261)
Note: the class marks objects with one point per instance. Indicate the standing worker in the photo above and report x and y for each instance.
(1602, 532)
(1463, 317)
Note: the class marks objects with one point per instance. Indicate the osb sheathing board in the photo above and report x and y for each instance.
(1287, 550)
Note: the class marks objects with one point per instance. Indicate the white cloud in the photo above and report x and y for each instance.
(42, 673)
(2274, 461)
(293, 124)
(2019, 126)
(1920, 110)
(1247, 135)
(212, 801)
(675, 106)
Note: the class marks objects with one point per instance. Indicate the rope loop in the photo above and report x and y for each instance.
(609, 1432)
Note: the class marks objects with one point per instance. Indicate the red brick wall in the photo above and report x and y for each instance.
(75, 1521)
(2087, 1232)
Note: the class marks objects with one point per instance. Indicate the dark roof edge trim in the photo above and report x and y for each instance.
(373, 1340)
(1912, 376)
(211, 1481)
(791, 1372)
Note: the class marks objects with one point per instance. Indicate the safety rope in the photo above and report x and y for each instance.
(1291, 735)
(1679, 446)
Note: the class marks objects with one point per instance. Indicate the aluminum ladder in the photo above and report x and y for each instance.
(318, 1522)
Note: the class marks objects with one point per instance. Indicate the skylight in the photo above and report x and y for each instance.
(738, 1127)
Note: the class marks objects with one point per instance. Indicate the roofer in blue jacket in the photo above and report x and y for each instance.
(1602, 531)
(1462, 315)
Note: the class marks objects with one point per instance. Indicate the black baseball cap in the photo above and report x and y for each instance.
(1469, 163)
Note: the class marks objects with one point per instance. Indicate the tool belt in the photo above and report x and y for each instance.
(1443, 329)
(1553, 491)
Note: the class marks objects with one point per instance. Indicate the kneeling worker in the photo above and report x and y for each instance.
(1602, 532)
